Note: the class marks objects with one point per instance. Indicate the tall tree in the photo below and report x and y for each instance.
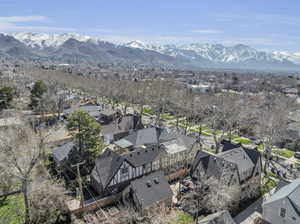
(7, 94)
(38, 90)
(86, 131)
(20, 153)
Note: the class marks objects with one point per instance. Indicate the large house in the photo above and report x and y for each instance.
(240, 166)
(144, 137)
(113, 171)
(283, 207)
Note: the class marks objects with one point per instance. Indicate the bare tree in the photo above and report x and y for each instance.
(20, 152)
(47, 202)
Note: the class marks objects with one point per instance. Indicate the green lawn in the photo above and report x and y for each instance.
(284, 152)
(12, 210)
(268, 184)
(182, 218)
(148, 110)
(167, 117)
(242, 140)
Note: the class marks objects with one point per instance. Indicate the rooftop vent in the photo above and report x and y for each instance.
(148, 184)
(146, 151)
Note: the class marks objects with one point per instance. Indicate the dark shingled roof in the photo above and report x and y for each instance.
(227, 145)
(109, 162)
(222, 217)
(62, 152)
(142, 156)
(149, 136)
(281, 184)
(126, 123)
(106, 166)
(290, 191)
(202, 157)
(151, 189)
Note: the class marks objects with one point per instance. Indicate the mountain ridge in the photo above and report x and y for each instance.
(75, 48)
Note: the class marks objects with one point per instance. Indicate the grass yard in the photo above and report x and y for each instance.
(182, 218)
(267, 185)
(242, 140)
(12, 210)
(284, 152)
(148, 110)
(167, 117)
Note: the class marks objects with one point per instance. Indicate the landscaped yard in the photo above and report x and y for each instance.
(267, 185)
(12, 210)
(242, 140)
(284, 152)
(182, 218)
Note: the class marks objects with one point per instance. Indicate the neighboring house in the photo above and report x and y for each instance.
(61, 153)
(108, 115)
(144, 137)
(93, 111)
(222, 217)
(113, 172)
(179, 153)
(283, 207)
(240, 166)
(151, 192)
(121, 127)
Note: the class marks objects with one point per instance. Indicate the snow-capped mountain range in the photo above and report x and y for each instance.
(75, 48)
(218, 53)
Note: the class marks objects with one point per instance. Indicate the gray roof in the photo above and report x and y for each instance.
(180, 143)
(148, 136)
(222, 217)
(290, 191)
(151, 189)
(239, 157)
(109, 162)
(106, 166)
(142, 156)
(84, 108)
(126, 123)
(62, 152)
(108, 112)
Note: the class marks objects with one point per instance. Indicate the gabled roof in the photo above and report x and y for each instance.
(126, 123)
(202, 157)
(228, 145)
(108, 112)
(62, 152)
(149, 136)
(222, 217)
(151, 189)
(179, 143)
(282, 183)
(109, 162)
(106, 166)
(84, 108)
(239, 157)
(290, 191)
(142, 156)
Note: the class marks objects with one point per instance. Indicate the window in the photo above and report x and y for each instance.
(124, 170)
(282, 212)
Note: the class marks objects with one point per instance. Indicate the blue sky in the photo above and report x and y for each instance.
(263, 24)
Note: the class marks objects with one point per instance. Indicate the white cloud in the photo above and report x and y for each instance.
(207, 31)
(12, 24)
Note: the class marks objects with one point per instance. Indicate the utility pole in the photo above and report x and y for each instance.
(79, 181)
